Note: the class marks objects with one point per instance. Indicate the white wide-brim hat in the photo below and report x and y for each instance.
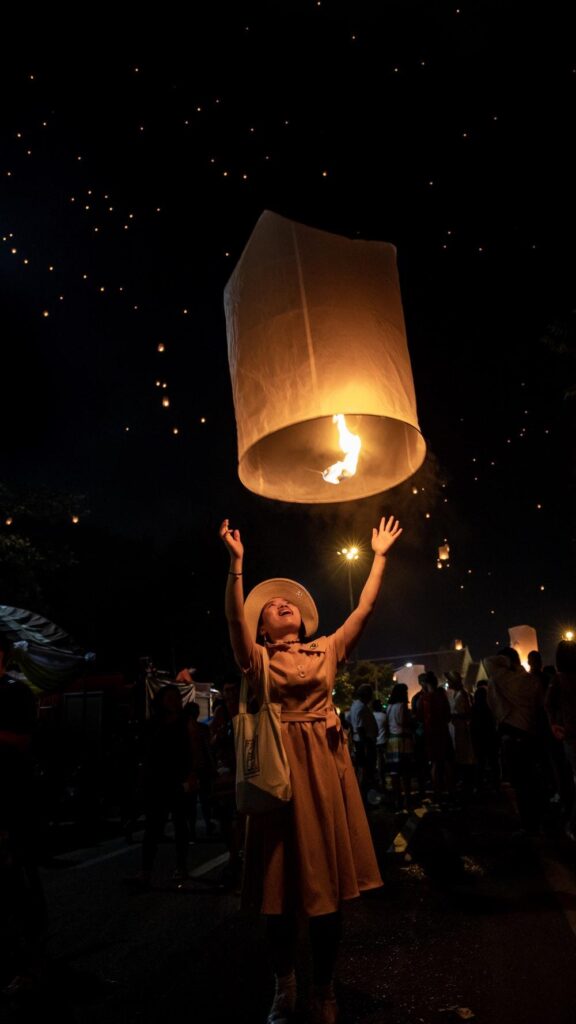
(289, 589)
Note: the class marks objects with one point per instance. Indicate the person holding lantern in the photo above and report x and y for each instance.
(317, 851)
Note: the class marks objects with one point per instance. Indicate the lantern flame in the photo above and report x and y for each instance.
(350, 445)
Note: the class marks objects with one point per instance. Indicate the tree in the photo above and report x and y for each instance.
(32, 549)
(380, 676)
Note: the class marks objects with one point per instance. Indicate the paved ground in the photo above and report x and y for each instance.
(473, 919)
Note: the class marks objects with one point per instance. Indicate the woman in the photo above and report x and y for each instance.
(399, 745)
(434, 713)
(561, 709)
(461, 715)
(317, 851)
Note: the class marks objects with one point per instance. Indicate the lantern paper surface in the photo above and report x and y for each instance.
(316, 330)
(408, 674)
(524, 640)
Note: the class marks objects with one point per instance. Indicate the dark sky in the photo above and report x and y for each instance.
(137, 172)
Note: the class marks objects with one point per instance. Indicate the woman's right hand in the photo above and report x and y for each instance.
(232, 540)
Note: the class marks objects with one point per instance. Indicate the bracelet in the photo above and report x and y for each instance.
(234, 573)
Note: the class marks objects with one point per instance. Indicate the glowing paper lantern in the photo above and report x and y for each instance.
(316, 336)
(408, 674)
(524, 640)
(444, 553)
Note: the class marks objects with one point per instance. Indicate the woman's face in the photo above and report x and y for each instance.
(280, 617)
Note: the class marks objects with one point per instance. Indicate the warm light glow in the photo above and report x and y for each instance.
(444, 552)
(458, 645)
(165, 402)
(568, 635)
(350, 445)
(9, 521)
(161, 347)
(75, 519)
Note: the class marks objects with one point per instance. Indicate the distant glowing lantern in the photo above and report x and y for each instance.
(408, 674)
(458, 645)
(9, 521)
(568, 635)
(524, 640)
(444, 553)
(75, 520)
(321, 376)
(166, 402)
(161, 347)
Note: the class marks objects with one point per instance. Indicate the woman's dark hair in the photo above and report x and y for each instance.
(160, 697)
(512, 654)
(17, 708)
(364, 692)
(431, 680)
(377, 705)
(191, 710)
(399, 694)
(566, 656)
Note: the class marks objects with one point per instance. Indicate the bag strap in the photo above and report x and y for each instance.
(265, 679)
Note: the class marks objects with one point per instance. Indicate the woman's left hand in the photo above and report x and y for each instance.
(385, 536)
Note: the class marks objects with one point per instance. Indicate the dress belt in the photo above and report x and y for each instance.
(329, 716)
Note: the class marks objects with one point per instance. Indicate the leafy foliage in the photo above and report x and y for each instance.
(378, 674)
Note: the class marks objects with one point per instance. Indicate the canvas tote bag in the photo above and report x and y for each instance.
(262, 769)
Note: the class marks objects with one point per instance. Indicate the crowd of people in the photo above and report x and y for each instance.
(517, 726)
(445, 745)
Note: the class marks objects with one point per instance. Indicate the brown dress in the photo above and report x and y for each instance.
(318, 850)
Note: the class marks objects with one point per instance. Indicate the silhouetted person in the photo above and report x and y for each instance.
(232, 824)
(201, 770)
(514, 697)
(420, 759)
(399, 746)
(434, 712)
(461, 708)
(165, 781)
(21, 895)
(483, 731)
(561, 709)
(364, 735)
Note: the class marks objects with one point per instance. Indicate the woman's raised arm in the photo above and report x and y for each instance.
(382, 540)
(242, 642)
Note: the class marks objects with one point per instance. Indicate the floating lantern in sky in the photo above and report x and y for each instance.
(321, 375)
(75, 520)
(161, 347)
(166, 402)
(524, 640)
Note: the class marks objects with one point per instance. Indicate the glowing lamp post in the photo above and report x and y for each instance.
(350, 555)
(319, 363)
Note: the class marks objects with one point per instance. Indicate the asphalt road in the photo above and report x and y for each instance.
(473, 919)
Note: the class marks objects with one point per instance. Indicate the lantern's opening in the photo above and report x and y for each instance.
(289, 464)
(350, 445)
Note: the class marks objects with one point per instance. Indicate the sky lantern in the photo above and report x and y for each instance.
(408, 674)
(524, 640)
(321, 376)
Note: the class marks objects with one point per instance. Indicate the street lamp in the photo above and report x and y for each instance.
(350, 555)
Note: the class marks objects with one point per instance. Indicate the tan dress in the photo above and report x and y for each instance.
(318, 850)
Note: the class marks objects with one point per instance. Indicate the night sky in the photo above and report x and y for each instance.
(131, 177)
